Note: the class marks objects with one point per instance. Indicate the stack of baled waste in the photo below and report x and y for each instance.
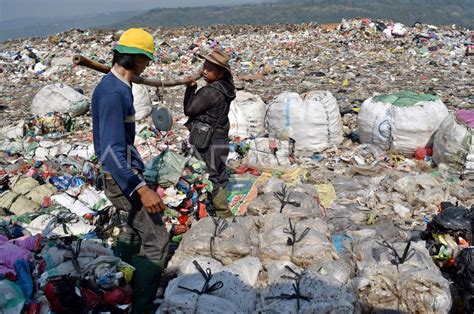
(399, 276)
(278, 258)
(454, 144)
(402, 121)
(312, 120)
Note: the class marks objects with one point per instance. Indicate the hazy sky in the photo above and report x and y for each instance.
(11, 9)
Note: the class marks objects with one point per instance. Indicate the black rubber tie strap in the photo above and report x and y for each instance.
(207, 275)
(293, 239)
(296, 288)
(397, 259)
(284, 197)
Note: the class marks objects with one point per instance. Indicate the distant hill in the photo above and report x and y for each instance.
(29, 27)
(438, 12)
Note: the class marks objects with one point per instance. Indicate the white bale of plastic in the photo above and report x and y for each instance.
(453, 143)
(313, 120)
(415, 285)
(247, 116)
(205, 287)
(310, 244)
(267, 152)
(217, 238)
(401, 121)
(60, 98)
(314, 290)
(141, 101)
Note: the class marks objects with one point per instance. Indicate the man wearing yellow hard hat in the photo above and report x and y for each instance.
(113, 117)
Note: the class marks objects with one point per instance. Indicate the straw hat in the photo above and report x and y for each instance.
(219, 58)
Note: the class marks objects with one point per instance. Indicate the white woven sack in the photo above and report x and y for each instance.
(313, 121)
(247, 116)
(453, 145)
(60, 98)
(141, 101)
(400, 128)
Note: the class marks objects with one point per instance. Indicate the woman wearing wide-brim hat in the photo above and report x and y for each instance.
(208, 110)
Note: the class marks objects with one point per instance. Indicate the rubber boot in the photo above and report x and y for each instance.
(125, 249)
(221, 204)
(146, 280)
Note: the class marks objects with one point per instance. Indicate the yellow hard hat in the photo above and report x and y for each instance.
(136, 41)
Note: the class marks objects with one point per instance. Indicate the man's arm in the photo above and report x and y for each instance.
(112, 143)
(114, 155)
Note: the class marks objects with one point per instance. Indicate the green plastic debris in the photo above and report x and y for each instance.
(177, 238)
(165, 170)
(146, 134)
(373, 217)
(405, 99)
(436, 173)
(99, 204)
(11, 297)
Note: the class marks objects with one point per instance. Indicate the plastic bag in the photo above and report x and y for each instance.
(453, 219)
(225, 241)
(165, 170)
(311, 291)
(453, 143)
(266, 152)
(401, 121)
(61, 98)
(298, 202)
(24, 279)
(230, 287)
(313, 120)
(11, 297)
(301, 242)
(465, 277)
(59, 224)
(247, 116)
(412, 285)
(141, 101)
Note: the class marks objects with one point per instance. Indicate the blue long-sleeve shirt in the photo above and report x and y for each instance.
(113, 120)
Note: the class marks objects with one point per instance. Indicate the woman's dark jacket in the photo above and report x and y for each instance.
(208, 104)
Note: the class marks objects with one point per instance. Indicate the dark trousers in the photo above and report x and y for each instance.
(149, 228)
(215, 157)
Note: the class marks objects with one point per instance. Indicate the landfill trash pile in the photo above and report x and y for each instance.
(353, 62)
(304, 191)
(294, 248)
